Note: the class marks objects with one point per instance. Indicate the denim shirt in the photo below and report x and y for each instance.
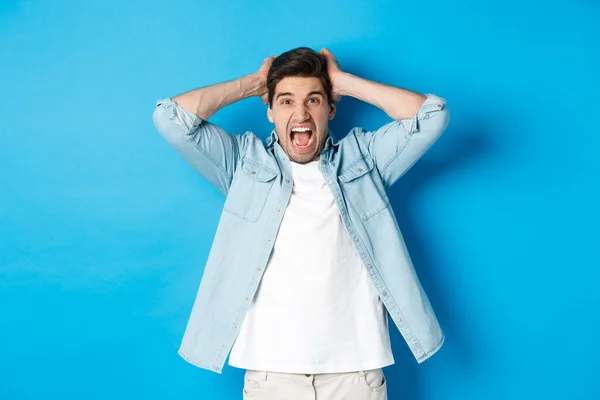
(256, 178)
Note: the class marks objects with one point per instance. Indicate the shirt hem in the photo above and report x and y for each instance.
(430, 353)
(212, 368)
(312, 369)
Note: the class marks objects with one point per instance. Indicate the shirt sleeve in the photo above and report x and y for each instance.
(395, 147)
(210, 150)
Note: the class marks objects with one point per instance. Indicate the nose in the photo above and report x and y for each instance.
(301, 112)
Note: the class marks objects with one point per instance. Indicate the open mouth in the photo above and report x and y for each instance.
(302, 138)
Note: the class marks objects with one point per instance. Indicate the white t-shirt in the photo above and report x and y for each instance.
(316, 309)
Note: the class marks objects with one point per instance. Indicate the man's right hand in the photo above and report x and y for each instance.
(206, 101)
(263, 71)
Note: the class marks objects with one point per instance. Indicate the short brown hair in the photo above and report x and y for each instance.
(301, 61)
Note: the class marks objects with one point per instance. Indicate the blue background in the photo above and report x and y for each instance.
(104, 230)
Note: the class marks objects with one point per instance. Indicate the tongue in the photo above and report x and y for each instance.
(302, 138)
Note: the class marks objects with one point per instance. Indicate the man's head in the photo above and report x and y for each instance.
(300, 102)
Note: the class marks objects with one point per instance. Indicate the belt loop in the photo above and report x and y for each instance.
(256, 375)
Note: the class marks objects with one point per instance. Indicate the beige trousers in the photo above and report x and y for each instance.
(361, 385)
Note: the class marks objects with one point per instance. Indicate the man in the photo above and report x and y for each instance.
(308, 261)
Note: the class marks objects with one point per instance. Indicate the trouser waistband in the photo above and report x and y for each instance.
(265, 375)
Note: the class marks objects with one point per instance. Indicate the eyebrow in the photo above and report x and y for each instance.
(292, 95)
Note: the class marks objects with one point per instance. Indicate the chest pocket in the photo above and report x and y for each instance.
(363, 188)
(250, 190)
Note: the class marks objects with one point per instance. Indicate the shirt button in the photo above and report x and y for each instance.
(384, 294)
(342, 211)
(355, 239)
(279, 210)
(287, 181)
(359, 170)
(368, 266)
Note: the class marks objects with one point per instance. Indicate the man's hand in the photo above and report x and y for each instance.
(262, 72)
(206, 101)
(398, 103)
(334, 71)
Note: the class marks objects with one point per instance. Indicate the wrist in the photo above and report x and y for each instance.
(344, 83)
(253, 85)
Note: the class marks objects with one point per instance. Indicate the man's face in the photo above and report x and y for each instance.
(301, 113)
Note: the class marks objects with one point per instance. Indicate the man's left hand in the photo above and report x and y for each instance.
(334, 71)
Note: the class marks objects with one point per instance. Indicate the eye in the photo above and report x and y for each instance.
(313, 100)
(286, 101)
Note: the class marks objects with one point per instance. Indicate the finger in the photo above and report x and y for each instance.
(328, 53)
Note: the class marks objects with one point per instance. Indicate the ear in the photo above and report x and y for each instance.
(332, 110)
(270, 114)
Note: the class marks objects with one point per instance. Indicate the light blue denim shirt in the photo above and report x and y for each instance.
(256, 179)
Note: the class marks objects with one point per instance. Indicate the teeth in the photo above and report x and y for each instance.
(300, 129)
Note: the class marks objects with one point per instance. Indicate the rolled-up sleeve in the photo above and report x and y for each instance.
(210, 150)
(395, 147)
